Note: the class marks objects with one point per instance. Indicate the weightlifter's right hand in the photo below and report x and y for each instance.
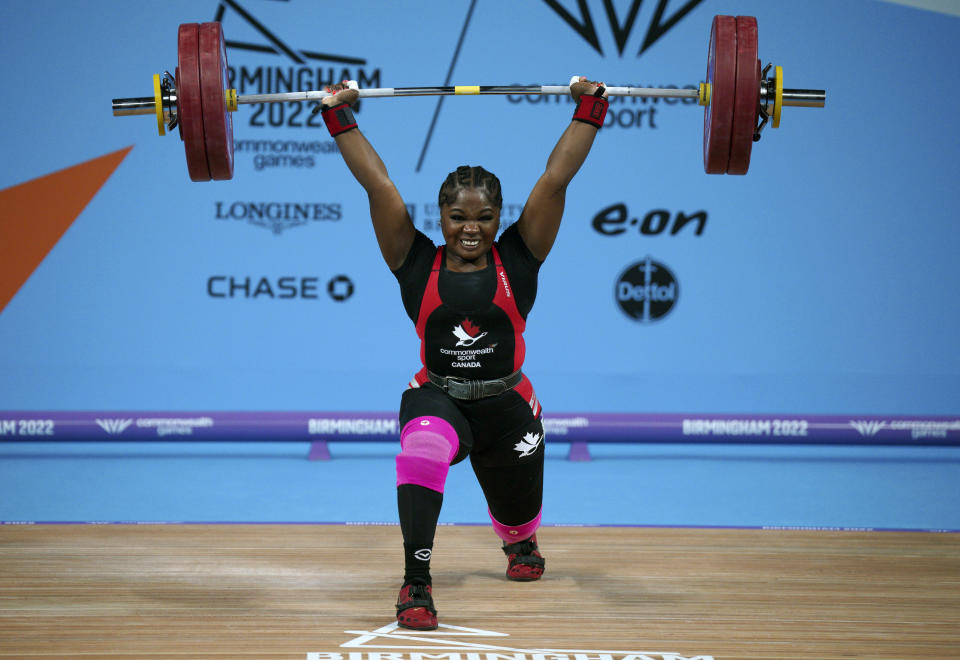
(344, 92)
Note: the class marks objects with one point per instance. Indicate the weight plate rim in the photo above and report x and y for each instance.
(747, 97)
(158, 104)
(217, 120)
(778, 96)
(721, 74)
(190, 102)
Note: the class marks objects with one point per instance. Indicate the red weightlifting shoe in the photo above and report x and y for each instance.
(524, 561)
(415, 608)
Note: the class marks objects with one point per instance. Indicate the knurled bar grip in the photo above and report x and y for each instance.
(145, 105)
(466, 90)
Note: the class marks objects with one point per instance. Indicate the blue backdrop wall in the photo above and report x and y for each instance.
(824, 282)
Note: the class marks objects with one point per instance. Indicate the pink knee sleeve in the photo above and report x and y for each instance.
(513, 533)
(427, 445)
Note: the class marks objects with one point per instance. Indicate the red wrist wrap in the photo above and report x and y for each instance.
(591, 110)
(339, 119)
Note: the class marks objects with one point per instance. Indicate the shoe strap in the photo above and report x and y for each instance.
(520, 548)
(523, 554)
(418, 596)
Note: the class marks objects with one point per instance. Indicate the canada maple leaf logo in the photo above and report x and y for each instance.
(467, 333)
(529, 444)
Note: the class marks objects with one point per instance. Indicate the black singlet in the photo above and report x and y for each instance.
(470, 324)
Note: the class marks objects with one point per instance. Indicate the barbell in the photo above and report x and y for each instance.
(739, 97)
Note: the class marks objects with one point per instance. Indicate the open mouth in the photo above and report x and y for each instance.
(470, 244)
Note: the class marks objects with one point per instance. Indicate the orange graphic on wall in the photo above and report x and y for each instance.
(35, 214)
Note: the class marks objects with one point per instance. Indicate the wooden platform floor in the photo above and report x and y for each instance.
(315, 591)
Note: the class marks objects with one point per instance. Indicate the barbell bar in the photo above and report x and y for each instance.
(146, 105)
(739, 98)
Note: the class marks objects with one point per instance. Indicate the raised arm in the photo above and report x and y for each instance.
(540, 221)
(391, 222)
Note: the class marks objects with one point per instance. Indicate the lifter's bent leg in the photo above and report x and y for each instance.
(524, 561)
(511, 476)
(427, 446)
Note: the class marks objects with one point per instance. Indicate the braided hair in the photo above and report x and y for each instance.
(466, 176)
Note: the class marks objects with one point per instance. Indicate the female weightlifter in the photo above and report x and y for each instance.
(469, 299)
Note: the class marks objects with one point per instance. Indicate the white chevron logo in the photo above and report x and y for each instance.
(867, 427)
(114, 426)
(410, 645)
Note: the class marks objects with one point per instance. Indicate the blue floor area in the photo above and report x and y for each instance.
(912, 488)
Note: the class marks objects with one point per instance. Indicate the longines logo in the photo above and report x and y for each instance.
(278, 216)
(658, 25)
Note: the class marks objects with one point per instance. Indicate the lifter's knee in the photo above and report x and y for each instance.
(513, 533)
(427, 445)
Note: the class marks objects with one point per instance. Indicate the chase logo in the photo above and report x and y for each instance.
(622, 29)
(340, 288)
(646, 291)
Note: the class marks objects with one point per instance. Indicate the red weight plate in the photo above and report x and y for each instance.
(722, 76)
(189, 104)
(747, 100)
(217, 121)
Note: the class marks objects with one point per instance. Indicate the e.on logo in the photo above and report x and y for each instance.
(614, 220)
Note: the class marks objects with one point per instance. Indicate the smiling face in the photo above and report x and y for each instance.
(469, 224)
